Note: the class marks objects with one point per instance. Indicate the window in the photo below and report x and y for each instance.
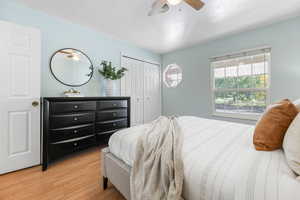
(241, 84)
(172, 75)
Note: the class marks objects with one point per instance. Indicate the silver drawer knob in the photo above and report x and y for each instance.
(114, 104)
(75, 144)
(75, 131)
(114, 124)
(75, 118)
(75, 106)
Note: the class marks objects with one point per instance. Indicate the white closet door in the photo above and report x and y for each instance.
(132, 85)
(142, 83)
(152, 92)
(19, 97)
(140, 91)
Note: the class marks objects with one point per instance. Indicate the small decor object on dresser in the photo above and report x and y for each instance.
(111, 74)
(76, 123)
(73, 93)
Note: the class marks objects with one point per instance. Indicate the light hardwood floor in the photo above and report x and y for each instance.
(78, 177)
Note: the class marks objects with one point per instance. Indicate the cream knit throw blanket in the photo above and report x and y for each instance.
(157, 173)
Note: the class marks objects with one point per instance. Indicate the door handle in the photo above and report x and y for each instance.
(35, 103)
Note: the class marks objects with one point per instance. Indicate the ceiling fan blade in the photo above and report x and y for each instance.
(196, 4)
(158, 6)
(165, 8)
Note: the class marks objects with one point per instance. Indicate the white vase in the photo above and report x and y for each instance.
(110, 87)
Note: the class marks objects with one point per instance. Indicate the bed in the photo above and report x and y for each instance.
(219, 160)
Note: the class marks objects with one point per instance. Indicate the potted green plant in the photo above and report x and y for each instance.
(111, 74)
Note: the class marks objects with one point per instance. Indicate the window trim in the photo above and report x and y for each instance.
(253, 117)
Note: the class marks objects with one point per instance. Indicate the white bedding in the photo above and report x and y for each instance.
(220, 162)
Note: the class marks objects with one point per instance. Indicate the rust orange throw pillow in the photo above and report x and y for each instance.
(272, 126)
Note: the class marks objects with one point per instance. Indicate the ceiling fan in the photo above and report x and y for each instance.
(162, 6)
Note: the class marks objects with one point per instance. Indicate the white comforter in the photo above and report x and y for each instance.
(220, 162)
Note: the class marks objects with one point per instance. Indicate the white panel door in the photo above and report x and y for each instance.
(132, 84)
(20, 87)
(152, 92)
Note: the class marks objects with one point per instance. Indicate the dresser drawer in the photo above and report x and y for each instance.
(66, 133)
(75, 106)
(111, 114)
(103, 138)
(113, 104)
(111, 125)
(62, 148)
(59, 121)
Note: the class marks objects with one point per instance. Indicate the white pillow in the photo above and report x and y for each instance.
(291, 145)
(297, 103)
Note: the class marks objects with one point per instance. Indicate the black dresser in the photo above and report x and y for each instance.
(74, 124)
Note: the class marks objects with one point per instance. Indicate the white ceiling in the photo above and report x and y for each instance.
(180, 27)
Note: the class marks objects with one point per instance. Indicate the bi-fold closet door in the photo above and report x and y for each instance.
(142, 83)
(152, 92)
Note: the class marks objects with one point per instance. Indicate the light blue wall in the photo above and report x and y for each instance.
(193, 96)
(58, 33)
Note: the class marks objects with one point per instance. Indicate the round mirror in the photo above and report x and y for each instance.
(71, 67)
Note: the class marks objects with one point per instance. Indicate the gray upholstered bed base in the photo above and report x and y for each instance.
(117, 172)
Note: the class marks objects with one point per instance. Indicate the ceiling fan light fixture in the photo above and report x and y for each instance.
(174, 2)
